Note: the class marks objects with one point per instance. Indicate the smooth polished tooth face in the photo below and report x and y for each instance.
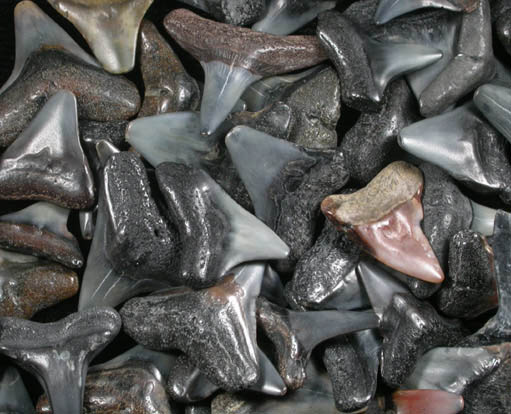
(110, 28)
(46, 162)
(35, 30)
(14, 397)
(427, 402)
(87, 221)
(283, 17)
(494, 101)
(270, 382)
(483, 219)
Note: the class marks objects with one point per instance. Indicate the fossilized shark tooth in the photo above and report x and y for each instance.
(216, 234)
(483, 218)
(14, 397)
(100, 95)
(168, 87)
(110, 28)
(41, 230)
(87, 220)
(58, 353)
(27, 286)
(215, 327)
(46, 162)
(462, 143)
(385, 215)
(235, 12)
(296, 334)
(494, 101)
(503, 29)
(291, 180)
(365, 65)
(272, 287)
(427, 402)
(388, 10)
(411, 327)
(283, 17)
(34, 30)
(234, 57)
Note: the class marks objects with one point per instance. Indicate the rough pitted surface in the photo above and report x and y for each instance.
(100, 95)
(322, 269)
(140, 243)
(372, 143)
(410, 328)
(236, 12)
(469, 288)
(112, 131)
(260, 53)
(206, 325)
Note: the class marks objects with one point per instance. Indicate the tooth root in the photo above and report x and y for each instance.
(483, 219)
(427, 402)
(494, 101)
(113, 39)
(14, 396)
(35, 30)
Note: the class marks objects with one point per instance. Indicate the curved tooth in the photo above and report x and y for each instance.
(427, 402)
(483, 218)
(110, 28)
(283, 17)
(35, 30)
(46, 162)
(14, 397)
(494, 101)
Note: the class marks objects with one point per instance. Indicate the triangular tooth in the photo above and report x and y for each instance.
(109, 27)
(379, 286)
(270, 382)
(285, 17)
(46, 162)
(494, 101)
(216, 238)
(390, 9)
(14, 397)
(35, 30)
(427, 402)
(483, 219)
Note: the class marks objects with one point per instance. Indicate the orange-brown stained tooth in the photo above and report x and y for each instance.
(427, 402)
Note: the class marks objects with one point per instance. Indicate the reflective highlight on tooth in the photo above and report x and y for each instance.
(494, 101)
(14, 397)
(483, 219)
(427, 402)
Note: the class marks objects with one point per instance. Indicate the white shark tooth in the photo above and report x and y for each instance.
(494, 101)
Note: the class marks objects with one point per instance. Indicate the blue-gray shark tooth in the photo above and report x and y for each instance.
(14, 397)
(494, 101)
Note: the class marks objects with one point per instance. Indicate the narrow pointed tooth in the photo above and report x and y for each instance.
(272, 288)
(14, 397)
(483, 218)
(379, 285)
(427, 402)
(215, 238)
(35, 30)
(173, 137)
(270, 382)
(109, 27)
(46, 162)
(87, 224)
(452, 369)
(494, 101)
(285, 17)
(59, 353)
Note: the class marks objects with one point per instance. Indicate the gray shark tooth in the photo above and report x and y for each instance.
(352, 362)
(168, 87)
(110, 28)
(34, 30)
(173, 137)
(234, 57)
(462, 143)
(379, 285)
(87, 220)
(235, 12)
(14, 397)
(452, 369)
(365, 64)
(311, 174)
(59, 353)
(41, 230)
(472, 63)
(296, 334)
(27, 286)
(503, 28)
(100, 95)
(214, 327)
(390, 9)
(46, 162)
(483, 218)
(272, 287)
(494, 101)
(427, 402)
(216, 234)
(324, 277)
(283, 17)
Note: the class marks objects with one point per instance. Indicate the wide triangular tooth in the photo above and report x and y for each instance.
(427, 402)
(259, 159)
(285, 17)
(35, 30)
(109, 27)
(46, 162)
(388, 60)
(379, 285)
(173, 137)
(390, 9)
(270, 382)
(14, 397)
(483, 218)
(494, 101)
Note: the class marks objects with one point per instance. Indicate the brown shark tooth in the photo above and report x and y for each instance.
(386, 216)
(427, 402)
